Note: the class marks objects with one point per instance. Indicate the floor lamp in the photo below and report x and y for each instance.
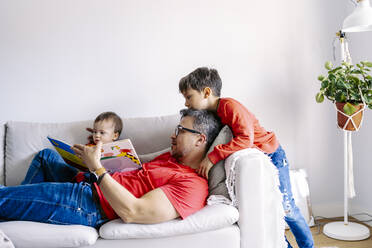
(359, 21)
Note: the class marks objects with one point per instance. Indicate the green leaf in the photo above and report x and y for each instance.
(354, 79)
(340, 97)
(319, 97)
(368, 64)
(368, 96)
(369, 93)
(328, 65)
(356, 72)
(348, 85)
(332, 77)
(368, 99)
(325, 84)
(335, 70)
(340, 85)
(347, 64)
(349, 109)
(355, 96)
(321, 78)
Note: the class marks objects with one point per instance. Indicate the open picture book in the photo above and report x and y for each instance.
(116, 156)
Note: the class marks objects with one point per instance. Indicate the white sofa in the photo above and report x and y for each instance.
(257, 226)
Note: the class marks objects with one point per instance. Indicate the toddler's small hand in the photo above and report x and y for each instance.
(90, 137)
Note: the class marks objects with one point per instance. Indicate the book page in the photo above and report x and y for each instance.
(120, 156)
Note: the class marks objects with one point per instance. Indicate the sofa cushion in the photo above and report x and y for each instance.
(217, 174)
(26, 234)
(5, 242)
(144, 158)
(25, 139)
(227, 237)
(209, 218)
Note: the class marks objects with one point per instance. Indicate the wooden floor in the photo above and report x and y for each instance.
(321, 240)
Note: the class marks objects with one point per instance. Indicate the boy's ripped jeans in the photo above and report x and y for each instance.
(293, 216)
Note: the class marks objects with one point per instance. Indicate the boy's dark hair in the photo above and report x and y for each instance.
(118, 123)
(205, 121)
(201, 78)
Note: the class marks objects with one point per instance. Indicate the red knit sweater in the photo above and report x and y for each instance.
(246, 130)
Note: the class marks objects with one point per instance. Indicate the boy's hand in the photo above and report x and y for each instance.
(90, 155)
(204, 167)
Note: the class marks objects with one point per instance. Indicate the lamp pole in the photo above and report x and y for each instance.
(348, 153)
(358, 21)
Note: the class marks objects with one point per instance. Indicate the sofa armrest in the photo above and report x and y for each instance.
(2, 152)
(259, 202)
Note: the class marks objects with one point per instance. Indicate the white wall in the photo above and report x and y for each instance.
(70, 60)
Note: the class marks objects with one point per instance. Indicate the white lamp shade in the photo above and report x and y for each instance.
(360, 20)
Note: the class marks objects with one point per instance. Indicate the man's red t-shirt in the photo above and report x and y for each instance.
(247, 131)
(184, 188)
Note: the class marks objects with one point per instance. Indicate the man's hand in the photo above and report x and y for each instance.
(204, 167)
(90, 155)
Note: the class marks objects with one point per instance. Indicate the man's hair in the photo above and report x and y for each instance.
(200, 79)
(118, 123)
(205, 122)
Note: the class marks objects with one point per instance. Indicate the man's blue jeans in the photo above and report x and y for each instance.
(48, 166)
(58, 202)
(294, 218)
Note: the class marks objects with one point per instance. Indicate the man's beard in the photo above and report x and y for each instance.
(176, 155)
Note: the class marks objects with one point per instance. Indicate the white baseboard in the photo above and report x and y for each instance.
(328, 210)
(360, 213)
(335, 209)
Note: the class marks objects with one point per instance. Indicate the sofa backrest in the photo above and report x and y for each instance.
(24, 139)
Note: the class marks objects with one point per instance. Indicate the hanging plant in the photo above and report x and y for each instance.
(350, 86)
(347, 84)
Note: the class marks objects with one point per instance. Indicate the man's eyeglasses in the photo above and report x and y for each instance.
(179, 128)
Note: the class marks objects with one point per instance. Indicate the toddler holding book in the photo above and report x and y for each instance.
(49, 166)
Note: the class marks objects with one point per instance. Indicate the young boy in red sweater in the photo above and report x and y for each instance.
(201, 90)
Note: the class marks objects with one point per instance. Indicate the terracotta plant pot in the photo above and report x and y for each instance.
(342, 119)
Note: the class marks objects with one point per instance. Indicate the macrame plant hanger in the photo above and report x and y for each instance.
(349, 189)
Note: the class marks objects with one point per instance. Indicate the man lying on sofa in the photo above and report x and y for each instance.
(164, 189)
